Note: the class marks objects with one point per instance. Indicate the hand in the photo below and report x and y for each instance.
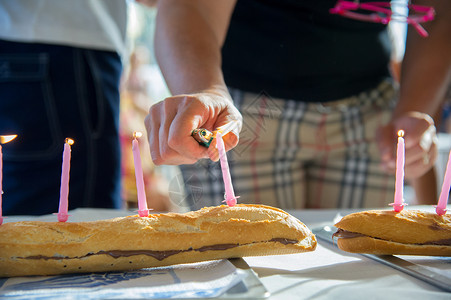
(170, 122)
(420, 141)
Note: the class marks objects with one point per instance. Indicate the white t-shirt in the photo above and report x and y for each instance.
(93, 24)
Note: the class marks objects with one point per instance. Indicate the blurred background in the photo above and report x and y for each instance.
(142, 85)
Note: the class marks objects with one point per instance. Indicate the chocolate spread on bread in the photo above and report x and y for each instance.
(348, 235)
(160, 255)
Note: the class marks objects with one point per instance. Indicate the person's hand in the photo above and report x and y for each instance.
(420, 142)
(170, 122)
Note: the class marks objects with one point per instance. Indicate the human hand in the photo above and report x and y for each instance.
(170, 122)
(420, 142)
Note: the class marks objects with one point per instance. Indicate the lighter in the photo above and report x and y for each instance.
(202, 136)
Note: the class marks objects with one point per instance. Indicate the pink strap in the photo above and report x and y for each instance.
(383, 13)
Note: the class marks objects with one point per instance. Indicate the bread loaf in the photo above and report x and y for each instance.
(126, 243)
(409, 232)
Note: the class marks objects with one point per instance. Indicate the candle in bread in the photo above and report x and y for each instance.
(142, 200)
(3, 140)
(1, 185)
(387, 232)
(230, 198)
(64, 189)
(444, 194)
(131, 243)
(398, 205)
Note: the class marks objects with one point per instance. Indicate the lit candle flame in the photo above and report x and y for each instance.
(225, 129)
(137, 134)
(7, 138)
(401, 133)
(69, 141)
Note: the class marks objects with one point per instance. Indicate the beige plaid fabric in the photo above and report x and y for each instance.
(295, 154)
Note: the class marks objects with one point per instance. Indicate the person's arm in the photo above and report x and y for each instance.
(188, 40)
(425, 76)
(426, 67)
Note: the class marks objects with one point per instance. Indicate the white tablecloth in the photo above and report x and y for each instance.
(326, 273)
(329, 273)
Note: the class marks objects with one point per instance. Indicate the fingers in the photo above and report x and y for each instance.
(212, 151)
(158, 124)
(170, 123)
(230, 141)
(230, 137)
(419, 128)
(420, 144)
(418, 166)
(421, 156)
(152, 123)
(191, 115)
(169, 154)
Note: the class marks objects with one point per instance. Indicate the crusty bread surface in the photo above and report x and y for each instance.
(407, 226)
(409, 232)
(46, 248)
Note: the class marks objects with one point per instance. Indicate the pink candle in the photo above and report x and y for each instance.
(229, 193)
(143, 211)
(64, 189)
(444, 194)
(1, 184)
(3, 140)
(398, 205)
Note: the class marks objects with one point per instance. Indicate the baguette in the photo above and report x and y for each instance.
(409, 232)
(127, 243)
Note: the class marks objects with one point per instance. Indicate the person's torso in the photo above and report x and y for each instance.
(296, 49)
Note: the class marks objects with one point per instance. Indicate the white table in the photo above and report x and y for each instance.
(327, 273)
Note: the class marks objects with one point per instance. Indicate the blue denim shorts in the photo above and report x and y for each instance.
(48, 93)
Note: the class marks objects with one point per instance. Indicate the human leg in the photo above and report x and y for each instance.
(49, 93)
(346, 172)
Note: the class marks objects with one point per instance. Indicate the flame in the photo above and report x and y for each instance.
(216, 132)
(401, 133)
(69, 141)
(224, 129)
(7, 138)
(137, 134)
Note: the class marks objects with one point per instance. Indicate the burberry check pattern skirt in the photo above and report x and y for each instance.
(295, 155)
